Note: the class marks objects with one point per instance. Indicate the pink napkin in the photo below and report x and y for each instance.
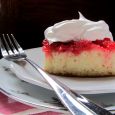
(9, 106)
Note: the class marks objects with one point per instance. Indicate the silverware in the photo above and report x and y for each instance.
(75, 103)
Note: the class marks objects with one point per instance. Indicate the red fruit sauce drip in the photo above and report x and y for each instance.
(78, 46)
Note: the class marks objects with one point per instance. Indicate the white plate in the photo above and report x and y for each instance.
(39, 97)
(81, 85)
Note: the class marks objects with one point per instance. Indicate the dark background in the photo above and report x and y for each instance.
(27, 19)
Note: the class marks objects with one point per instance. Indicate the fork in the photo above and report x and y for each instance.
(75, 103)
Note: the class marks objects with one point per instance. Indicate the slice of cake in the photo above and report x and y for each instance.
(79, 48)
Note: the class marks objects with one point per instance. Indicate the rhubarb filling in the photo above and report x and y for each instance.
(77, 47)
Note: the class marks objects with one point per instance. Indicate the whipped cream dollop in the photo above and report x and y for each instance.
(78, 29)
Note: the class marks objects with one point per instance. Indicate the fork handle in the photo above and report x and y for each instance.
(76, 103)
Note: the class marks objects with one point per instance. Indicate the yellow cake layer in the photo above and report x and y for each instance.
(87, 63)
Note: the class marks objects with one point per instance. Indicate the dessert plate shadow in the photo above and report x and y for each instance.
(26, 72)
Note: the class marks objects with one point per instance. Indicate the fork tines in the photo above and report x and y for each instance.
(9, 43)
